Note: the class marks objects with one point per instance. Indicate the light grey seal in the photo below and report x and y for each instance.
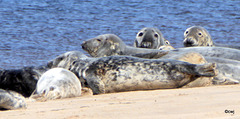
(197, 36)
(151, 38)
(10, 100)
(110, 44)
(126, 73)
(57, 83)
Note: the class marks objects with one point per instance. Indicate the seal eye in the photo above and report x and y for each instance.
(140, 34)
(186, 32)
(199, 34)
(99, 40)
(167, 42)
(155, 35)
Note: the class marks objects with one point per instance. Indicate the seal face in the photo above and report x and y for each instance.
(10, 100)
(151, 38)
(197, 36)
(57, 83)
(126, 73)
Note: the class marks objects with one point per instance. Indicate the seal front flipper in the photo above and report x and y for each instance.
(95, 84)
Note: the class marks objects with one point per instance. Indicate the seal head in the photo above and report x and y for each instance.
(197, 36)
(151, 38)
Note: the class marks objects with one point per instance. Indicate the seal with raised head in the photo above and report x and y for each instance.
(126, 73)
(57, 83)
(110, 44)
(151, 38)
(197, 36)
(10, 100)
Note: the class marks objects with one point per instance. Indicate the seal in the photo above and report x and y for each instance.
(10, 100)
(57, 83)
(224, 53)
(197, 36)
(110, 44)
(151, 38)
(22, 80)
(126, 73)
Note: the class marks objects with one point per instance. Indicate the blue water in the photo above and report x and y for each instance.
(33, 32)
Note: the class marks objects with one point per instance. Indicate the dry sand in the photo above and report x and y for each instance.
(188, 103)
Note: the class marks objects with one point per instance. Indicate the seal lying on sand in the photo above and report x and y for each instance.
(10, 100)
(199, 36)
(151, 38)
(126, 73)
(22, 80)
(110, 44)
(57, 83)
(210, 52)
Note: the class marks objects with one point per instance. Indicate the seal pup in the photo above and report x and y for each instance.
(57, 83)
(197, 36)
(22, 80)
(126, 73)
(151, 38)
(10, 100)
(110, 44)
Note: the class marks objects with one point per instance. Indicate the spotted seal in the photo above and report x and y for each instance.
(151, 38)
(126, 73)
(197, 36)
(110, 44)
(10, 100)
(57, 83)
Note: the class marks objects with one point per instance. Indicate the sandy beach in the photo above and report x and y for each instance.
(187, 103)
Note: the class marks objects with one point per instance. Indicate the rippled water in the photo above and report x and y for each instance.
(33, 32)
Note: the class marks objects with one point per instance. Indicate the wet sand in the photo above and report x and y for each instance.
(188, 103)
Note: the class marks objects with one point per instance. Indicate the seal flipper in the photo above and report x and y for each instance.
(96, 85)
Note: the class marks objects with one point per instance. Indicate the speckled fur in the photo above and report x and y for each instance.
(125, 73)
(10, 100)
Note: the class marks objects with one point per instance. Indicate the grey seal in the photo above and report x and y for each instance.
(197, 36)
(21, 80)
(223, 53)
(126, 73)
(10, 100)
(57, 83)
(151, 38)
(110, 44)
